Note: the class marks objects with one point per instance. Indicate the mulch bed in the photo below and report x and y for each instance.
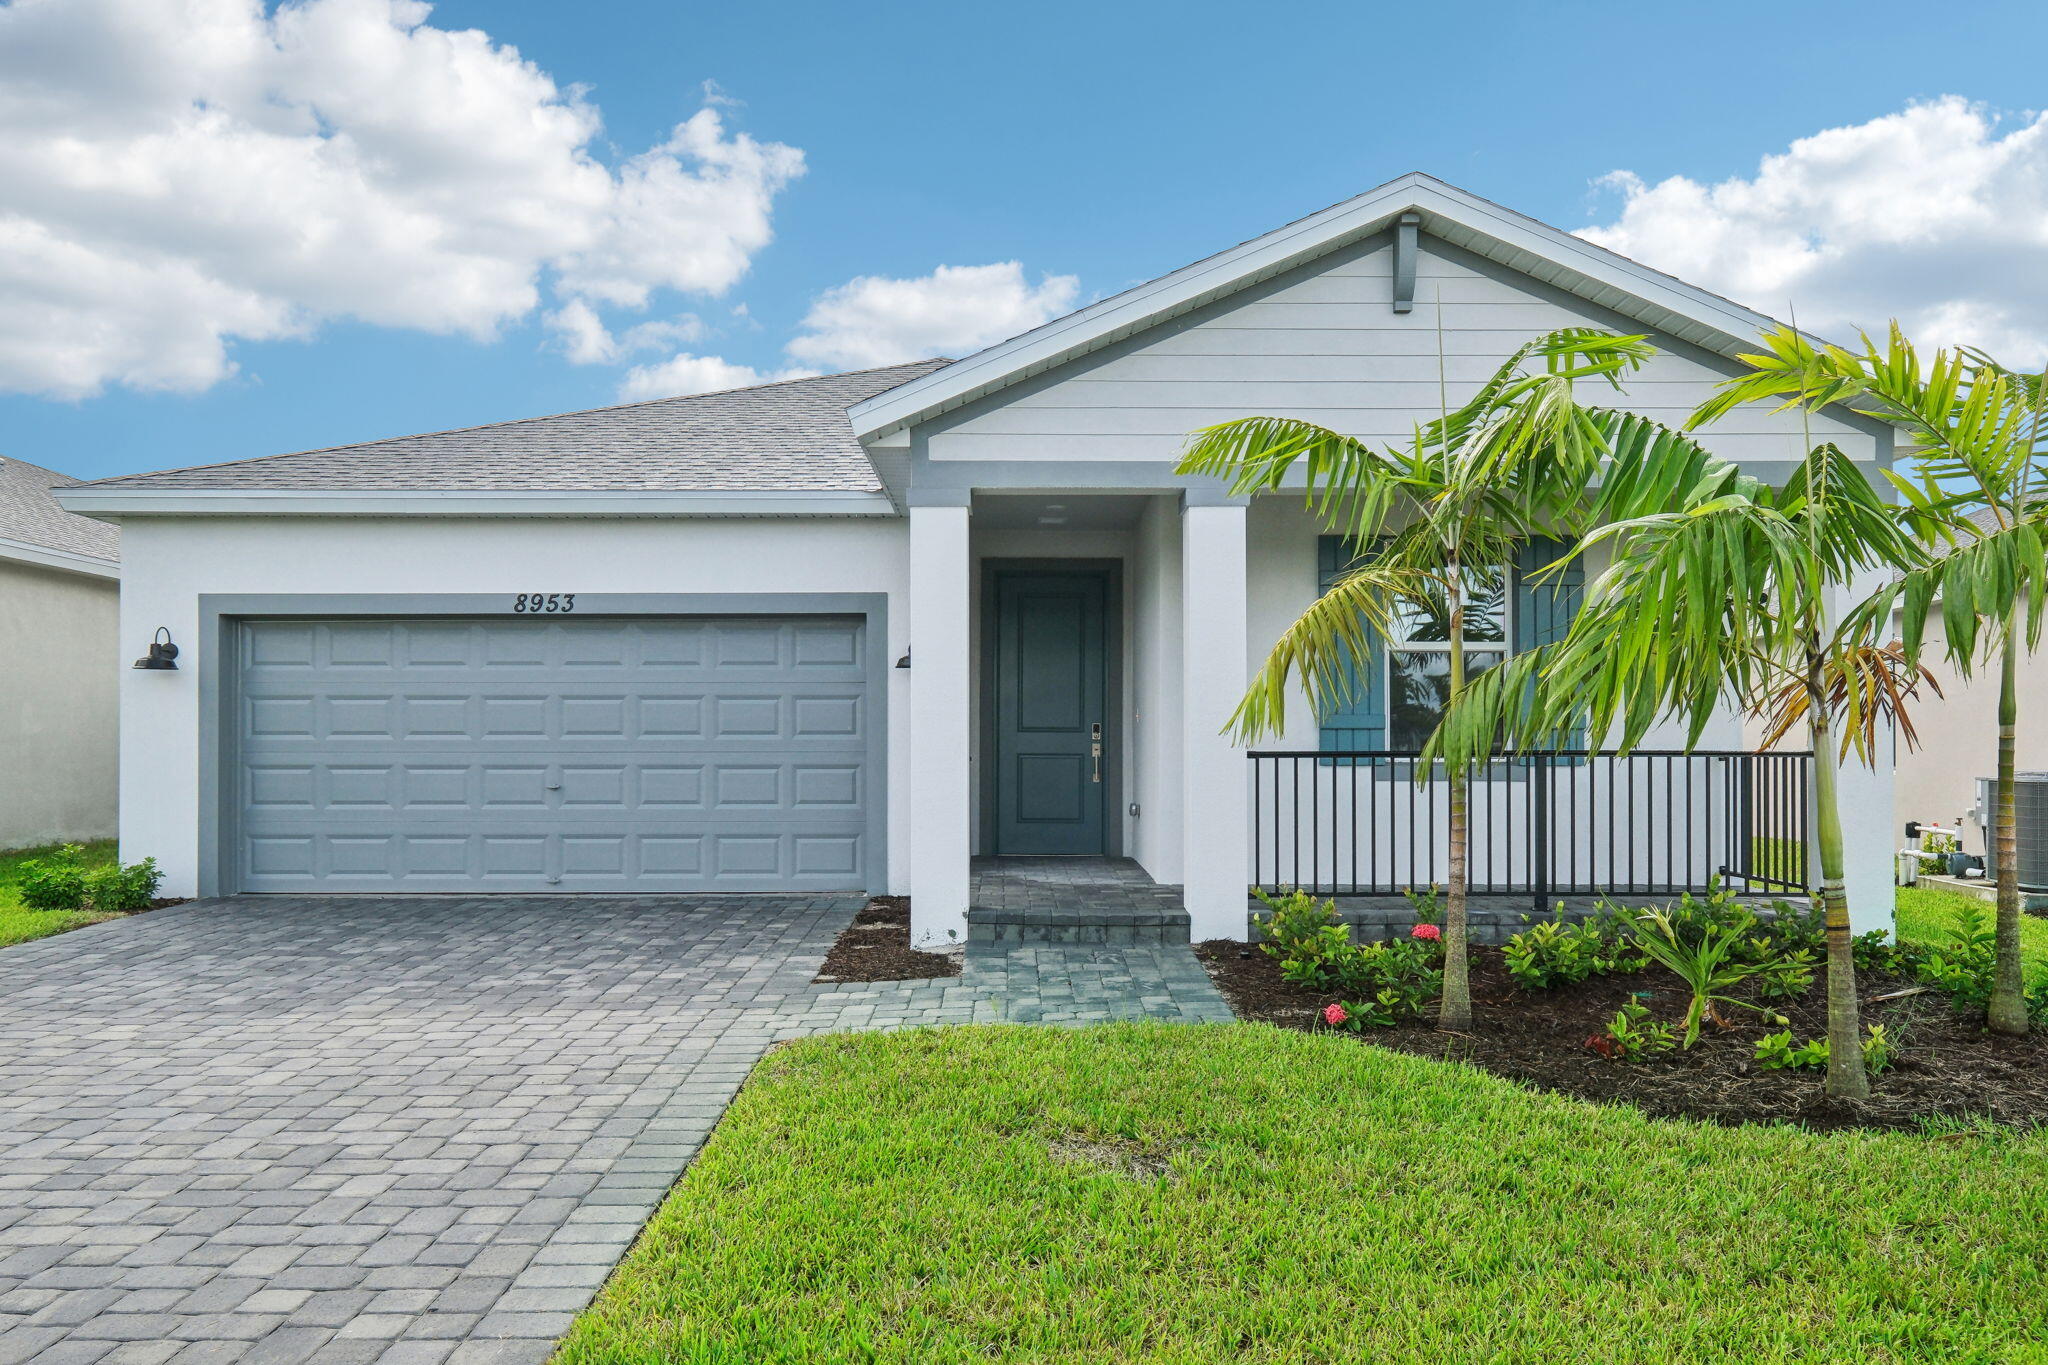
(876, 947)
(1948, 1066)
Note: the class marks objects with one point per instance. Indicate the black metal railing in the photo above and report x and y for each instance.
(1540, 825)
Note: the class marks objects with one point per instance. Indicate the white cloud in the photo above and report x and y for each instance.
(1936, 215)
(585, 340)
(177, 176)
(681, 374)
(955, 310)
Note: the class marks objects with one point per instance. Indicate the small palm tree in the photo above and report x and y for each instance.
(1436, 522)
(1981, 498)
(1724, 594)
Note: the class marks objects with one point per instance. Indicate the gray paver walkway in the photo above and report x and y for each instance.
(363, 1130)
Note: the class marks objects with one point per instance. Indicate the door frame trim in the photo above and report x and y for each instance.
(1112, 573)
(222, 614)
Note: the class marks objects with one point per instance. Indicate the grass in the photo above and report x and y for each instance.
(1927, 913)
(1174, 1193)
(18, 924)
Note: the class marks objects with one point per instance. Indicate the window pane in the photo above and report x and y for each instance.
(1418, 685)
(1486, 615)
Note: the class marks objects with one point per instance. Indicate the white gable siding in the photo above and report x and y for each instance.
(1326, 345)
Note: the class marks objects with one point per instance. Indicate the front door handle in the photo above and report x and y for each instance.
(1095, 750)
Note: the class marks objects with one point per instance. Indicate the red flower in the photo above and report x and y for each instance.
(1601, 1044)
(1429, 931)
(1334, 1015)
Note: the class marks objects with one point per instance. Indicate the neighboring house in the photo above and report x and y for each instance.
(60, 588)
(851, 631)
(1937, 782)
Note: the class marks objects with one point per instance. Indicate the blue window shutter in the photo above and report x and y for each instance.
(1363, 723)
(1544, 611)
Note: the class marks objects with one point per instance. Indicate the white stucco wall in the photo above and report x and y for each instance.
(1155, 574)
(59, 665)
(170, 562)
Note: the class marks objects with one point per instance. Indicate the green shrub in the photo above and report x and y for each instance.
(1778, 1052)
(1553, 952)
(1427, 905)
(1962, 967)
(63, 882)
(117, 889)
(1633, 1036)
(1301, 928)
(1785, 978)
(1876, 952)
(1411, 967)
(54, 883)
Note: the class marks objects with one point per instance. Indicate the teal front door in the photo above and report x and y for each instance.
(1051, 683)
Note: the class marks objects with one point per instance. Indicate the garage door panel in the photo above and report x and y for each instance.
(653, 754)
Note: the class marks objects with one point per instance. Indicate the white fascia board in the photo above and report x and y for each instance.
(264, 502)
(1732, 327)
(43, 556)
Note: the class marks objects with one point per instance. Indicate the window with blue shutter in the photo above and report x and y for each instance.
(1363, 723)
(1544, 611)
(1539, 613)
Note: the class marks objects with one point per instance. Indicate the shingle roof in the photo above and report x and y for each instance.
(29, 515)
(791, 436)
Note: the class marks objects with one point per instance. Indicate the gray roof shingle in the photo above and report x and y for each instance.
(791, 436)
(29, 514)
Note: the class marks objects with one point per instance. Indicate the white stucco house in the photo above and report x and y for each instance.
(60, 577)
(856, 631)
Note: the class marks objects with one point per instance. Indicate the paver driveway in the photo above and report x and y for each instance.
(413, 1131)
(360, 1130)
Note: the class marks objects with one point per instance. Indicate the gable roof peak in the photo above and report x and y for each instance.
(1658, 301)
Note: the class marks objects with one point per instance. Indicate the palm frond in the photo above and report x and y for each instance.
(1884, 681)
(1321, 648)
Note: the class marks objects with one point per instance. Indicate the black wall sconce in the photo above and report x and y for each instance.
(163, 655)
(904, 662)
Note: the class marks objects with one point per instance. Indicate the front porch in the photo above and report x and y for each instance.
(1078, 655)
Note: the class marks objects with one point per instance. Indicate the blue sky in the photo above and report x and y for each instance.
(1110, 143)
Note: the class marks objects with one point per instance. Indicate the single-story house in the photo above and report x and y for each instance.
(857, 631)
(60, 590)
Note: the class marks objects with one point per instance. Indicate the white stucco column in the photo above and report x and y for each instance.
(1215, 809)
(942, 710)
(1869, 837)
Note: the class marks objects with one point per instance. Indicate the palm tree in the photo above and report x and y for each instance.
(1723, 594)
(1436, 521)
(1975, 429)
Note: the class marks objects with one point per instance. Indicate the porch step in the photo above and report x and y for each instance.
(1117, 925)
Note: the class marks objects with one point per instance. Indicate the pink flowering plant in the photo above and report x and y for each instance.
(1377, 984)
(1426, 931)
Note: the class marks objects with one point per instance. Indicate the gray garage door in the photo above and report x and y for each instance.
(536, 754)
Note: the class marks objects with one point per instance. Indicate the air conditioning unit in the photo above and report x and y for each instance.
(2030, 824)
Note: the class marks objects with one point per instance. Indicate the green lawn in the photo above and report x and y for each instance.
(993, 1194)
(18, 925)
(1925, 913)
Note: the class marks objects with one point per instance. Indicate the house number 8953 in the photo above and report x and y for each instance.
(544, 601)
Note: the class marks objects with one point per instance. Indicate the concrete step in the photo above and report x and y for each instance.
(1076, 924)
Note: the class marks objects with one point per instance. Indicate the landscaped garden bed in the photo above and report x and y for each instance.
(876, 947)
(24, 917)
(1180, 1193)
(1944, 1066)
